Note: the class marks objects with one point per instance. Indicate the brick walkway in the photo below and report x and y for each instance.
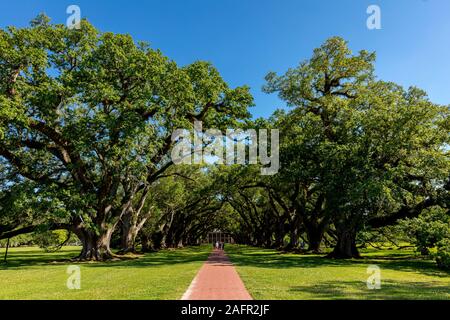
(217, 280)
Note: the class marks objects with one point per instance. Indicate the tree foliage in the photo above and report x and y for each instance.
(90, 115)
(86, 124)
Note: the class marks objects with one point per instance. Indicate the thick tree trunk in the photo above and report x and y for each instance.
(294, 229)
(146, 242)
(129, 232)
(346, 245)
(132, 222)
(293, 239)
(128, 241)
(279, 236)
(314, 242)
(315, 236)
(95, 246)
(279, 240)
(130, 228)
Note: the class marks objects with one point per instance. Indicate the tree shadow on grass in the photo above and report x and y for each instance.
(266, 258)
(163, 257)
(39, 258)
(426, 267)
(17, 259)
(390, 290)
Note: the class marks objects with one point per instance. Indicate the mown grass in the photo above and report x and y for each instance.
(33, 274)
(269, 274)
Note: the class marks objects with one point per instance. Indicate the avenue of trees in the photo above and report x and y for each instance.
(86, 123)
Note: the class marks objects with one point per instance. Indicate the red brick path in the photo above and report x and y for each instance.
(217, 280)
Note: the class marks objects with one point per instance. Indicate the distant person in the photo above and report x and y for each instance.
(217, 245)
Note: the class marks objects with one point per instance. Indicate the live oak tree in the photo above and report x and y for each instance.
(240, 188)
(27, 207)
(287, 209)
(186, 205)
(299, 186)
(381, 148)
(355, 152)
(90, 115)
(263, 216)
(86, 123)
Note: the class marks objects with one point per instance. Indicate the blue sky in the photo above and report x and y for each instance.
(245, 39)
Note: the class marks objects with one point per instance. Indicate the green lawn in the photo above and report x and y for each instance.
(33, 274)
(269, 274)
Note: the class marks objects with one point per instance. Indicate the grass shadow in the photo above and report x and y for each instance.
(38, 258)
(268, 258)
(389, 290)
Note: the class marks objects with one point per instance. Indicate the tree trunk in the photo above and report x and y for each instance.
(130, 228)
(95, 246)
(132, 223)
(128, 233)
(346, 245)
(6, 252)
(146, 242)
(279, 235)
(293, 239)
(315, 236)
(128, 241)
(279, 240)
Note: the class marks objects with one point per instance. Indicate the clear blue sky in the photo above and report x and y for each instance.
(245, 39)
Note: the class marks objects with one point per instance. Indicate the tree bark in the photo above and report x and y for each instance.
(293, 239)
(128, 241)
(346, 245)
(315, 236)
(95, 245)
(129, 232)
(6, 252)
(131, 225)
(279, 240)
(146, 243)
